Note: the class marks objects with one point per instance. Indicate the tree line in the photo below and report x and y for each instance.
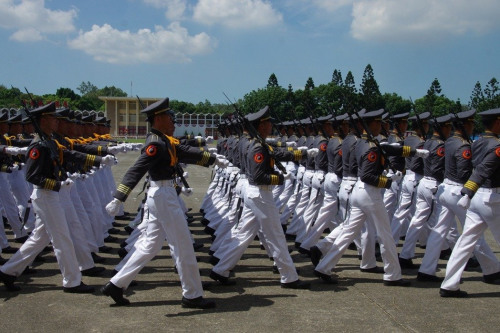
(338, 95)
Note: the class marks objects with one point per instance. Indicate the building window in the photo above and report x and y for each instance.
(132, 118)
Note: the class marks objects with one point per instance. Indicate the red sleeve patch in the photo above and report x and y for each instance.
(340, 152)
(497, 152)
(34, 154)
(467, 154)
(151, 150)
(258, 158)
(323, 146)
(372, 156)
(440, 152)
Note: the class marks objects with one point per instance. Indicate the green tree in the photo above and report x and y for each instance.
(395, 104)
(272, 81)
(112, 91)
(477, 96)
(337, 78)
(67, 93)
(371, 98)
(87, 88)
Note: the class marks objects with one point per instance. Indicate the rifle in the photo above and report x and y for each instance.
(419, 121)
(461, 127)
(317, 125)
(54, 153)
(177, 167)
(255, 134)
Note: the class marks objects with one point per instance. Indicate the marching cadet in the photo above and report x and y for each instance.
(426, 204)
(166, 220)
(43, 170)
(458, 168)
(414, 172)
(481, 198)
(367, 205)
(260, 212)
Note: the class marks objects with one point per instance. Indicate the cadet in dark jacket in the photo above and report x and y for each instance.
(166, 220)
(481, 198)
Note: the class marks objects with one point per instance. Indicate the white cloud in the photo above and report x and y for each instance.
(170, 45)
(32, 21)
(331, 5)
(236, 13)
(422, 20)
(175, 9)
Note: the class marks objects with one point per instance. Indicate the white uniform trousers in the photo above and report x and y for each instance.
(406, 204)
(484, 212)
(391, 196)
(50, 226)
(83, 216)
(78, 236)
(165, 220)
(425, 215)
(288, 186)
(448, 195)
(259, 213)
(327, 213)
(367, 205)
(297, 220)
(10, 207)
(207, 199)
(308, 218)
(21, 195)
(291, 204)
(94, 217)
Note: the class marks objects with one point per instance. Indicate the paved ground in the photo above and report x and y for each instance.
(359, 303)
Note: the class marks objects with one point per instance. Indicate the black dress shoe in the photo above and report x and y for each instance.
(113, 231)
(128, 229)
(290, 237)
(202, 210)
(105, 249)
(204, 221)
(81, 289)
(298, 284)
(197, 303)
(97, 258)
(110, 239)
(197, 246)
(9, 249)
(29, 271)
(304, 251)
(211, 252)
(407, 263)
(315, 255)
(214, 260)
(39, 258)
(376, 269)
(209, 231)
(190, 219)
(8, 281)
(353, 247)
(115, 224)
(297, 245)
(122, 253)
(452, 293)
(2, 260)
(492, 278)
(326, 278)
(472, 265)
(93, 271)
(21, 239)
(115, 293)
(422, 277)
(397, 283)
(221, 279)
(445, 254)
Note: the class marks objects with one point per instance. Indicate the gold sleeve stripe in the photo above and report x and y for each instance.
(124, 189)
(49, 184)
(471, 186)
(274, 180)
(382, 181)
(204, 158)
(199, 142)
(290, 148)
(5, 167)
(99, 150)
(297, 155)
(406, 151)
(89, 161)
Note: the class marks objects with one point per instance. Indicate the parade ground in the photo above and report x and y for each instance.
(359, 303)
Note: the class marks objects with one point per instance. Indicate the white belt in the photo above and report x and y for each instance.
(451, 182)
(243, 176)
(265, 187)
(160, 183)
(489, 190)
(409, 172)
(432, 179)
(321, 172)
(353, 179)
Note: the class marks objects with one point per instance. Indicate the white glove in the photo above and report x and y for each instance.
(385, 143)
(198, 137)
(108, 160)
(291, 144)
(12, 150)
(212, 150)
(185, 175)
(113, 207)
(209, 139)
(67, 183)
(187, 191)
(221, 161)
(384, 173)
(15, 167)
(422, 153)
(271, 141)
(302, 148)
(464, 202)
(287, 176)
(137, 146)
(397, 176)
(115, 149)
(312, 152)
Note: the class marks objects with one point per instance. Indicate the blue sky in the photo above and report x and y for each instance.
(193, 50)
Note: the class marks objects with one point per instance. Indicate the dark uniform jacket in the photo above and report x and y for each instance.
(434, 163)
(457, 159)
(159, 157)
